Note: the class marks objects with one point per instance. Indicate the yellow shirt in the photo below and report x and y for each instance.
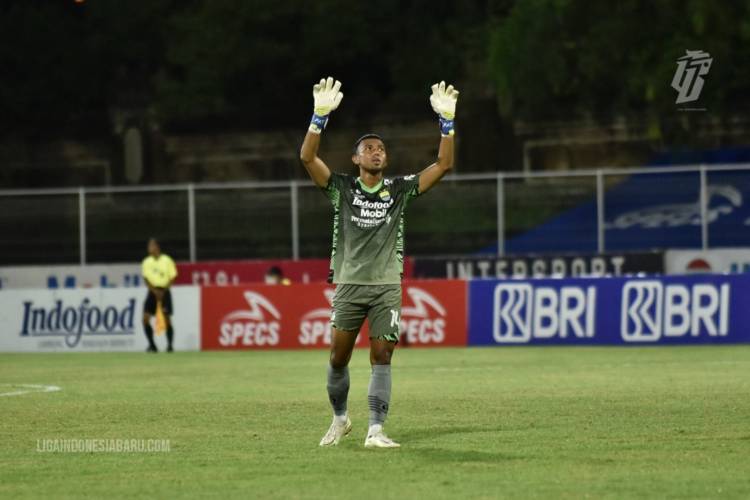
(159, 272)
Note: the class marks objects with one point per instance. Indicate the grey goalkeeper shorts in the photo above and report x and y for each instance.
(380, 304)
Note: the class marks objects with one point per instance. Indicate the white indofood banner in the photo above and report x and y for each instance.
(719, 261)
(88, 276)
(91, 320)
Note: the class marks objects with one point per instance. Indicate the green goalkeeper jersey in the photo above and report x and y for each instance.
(368, 228)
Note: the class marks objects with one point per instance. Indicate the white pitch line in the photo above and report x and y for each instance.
(29, 388)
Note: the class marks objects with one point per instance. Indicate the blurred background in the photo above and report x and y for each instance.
(183, 119)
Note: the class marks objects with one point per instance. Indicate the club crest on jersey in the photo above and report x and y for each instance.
(385, 195)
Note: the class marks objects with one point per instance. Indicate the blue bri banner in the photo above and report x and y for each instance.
(671, 310)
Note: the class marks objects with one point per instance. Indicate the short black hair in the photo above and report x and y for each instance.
(371, 135)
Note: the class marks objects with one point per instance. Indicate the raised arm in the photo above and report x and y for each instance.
(327, 98)
(443, 101)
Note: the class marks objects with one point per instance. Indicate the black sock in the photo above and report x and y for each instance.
(149, 335)
(170, 334)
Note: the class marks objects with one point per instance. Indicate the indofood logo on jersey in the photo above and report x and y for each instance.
(423, 322)
(258, 325)
(375, 209)
(315, 325)
(74, 321)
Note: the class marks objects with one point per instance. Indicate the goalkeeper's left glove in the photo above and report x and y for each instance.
(443, 101)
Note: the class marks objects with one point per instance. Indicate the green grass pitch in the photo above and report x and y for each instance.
(474, 423)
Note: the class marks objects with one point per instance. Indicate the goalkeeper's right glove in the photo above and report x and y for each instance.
(327, 98)
(443, 101)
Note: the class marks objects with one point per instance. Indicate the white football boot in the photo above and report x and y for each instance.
(376, 438)
(336, 431)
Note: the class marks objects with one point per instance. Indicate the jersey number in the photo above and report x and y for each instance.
(394, 318)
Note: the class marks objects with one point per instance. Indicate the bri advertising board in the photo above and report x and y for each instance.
(620, 311)
(298, 316)
(96, 319)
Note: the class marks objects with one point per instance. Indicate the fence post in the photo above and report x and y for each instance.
(295, 219)
(500, 214)
(82, 224)
(704, 209)
(600, 245)
(191, 223)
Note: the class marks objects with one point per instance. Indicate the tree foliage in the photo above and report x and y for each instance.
(251, 63)
(199, 63)
(566, 59)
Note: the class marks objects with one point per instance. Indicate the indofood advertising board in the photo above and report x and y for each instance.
(96, 319)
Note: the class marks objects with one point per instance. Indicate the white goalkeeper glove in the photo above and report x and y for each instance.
(443, 101)
(327, 98)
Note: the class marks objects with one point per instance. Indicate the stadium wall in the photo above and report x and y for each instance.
(700, 309)
(238, 272)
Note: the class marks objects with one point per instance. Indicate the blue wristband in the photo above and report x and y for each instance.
(318, 123)
(446, 126)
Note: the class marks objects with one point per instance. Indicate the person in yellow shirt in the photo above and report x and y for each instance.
(159, 272)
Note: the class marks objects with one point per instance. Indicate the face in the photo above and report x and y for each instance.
(371, 155)
(153, 248)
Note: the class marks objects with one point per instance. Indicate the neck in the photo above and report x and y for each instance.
(370, 179)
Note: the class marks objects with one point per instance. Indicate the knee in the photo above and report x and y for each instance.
(338, 360)
(380, 357)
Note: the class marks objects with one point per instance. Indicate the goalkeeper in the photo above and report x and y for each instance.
(368, 252)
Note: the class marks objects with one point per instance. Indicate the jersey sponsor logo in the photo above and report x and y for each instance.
(424, 321)
(523, 311)
(372, 213)
(315, 325)
(258, 325)
(652, 310)
(378, 205)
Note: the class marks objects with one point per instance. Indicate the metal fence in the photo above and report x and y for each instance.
(584, 210)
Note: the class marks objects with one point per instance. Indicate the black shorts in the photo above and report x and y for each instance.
(166, 305)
